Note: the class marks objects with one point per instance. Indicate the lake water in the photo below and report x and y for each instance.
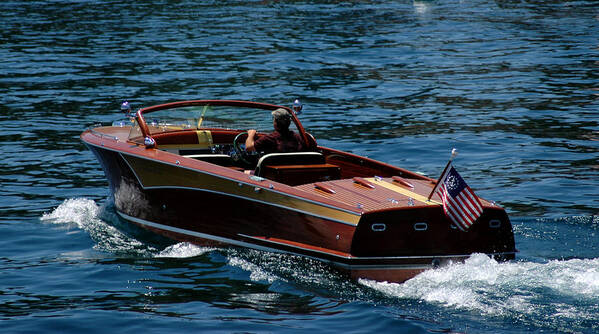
(513, 85)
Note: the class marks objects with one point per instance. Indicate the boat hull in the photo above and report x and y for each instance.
(216, 208)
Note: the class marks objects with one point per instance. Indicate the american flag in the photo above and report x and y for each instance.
(459, 201)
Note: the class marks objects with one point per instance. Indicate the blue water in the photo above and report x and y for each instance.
(513, 85)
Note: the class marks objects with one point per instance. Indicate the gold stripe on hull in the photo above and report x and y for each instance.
(152, 174)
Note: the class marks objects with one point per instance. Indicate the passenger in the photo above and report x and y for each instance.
(282, 140)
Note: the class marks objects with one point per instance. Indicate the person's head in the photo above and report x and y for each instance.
(281, 119)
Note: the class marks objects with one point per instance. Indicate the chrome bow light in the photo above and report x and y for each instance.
(297, 107)
(126, 108)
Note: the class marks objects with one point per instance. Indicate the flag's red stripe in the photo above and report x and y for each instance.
(466, 203)
(457, 206)
(464, 209)
(471, 206)
(463, 206)
(461, 215)
(452, 211)
(472, 211)
(446, 209)
(474, 200)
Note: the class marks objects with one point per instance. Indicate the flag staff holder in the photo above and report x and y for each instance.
(454, 153)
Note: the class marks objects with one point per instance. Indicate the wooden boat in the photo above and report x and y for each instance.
(180, 169)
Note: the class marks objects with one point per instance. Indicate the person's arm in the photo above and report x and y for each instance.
(249, 142)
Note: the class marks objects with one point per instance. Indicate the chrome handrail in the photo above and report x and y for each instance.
(100, 134)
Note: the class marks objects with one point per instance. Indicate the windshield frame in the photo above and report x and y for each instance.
(145, 131)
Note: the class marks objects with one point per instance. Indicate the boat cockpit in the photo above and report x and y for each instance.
(215, 132)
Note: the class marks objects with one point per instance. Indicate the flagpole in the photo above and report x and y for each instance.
(454, 153)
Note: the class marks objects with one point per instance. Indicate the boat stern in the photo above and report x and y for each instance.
(395, 245)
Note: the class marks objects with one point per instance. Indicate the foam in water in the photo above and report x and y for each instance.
(79, 211)
(183, 250)
(481, 284)
(85, 214)
(256, 272)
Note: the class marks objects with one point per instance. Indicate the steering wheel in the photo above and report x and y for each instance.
(240, 150)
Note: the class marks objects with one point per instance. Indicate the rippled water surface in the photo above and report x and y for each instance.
(513, 85)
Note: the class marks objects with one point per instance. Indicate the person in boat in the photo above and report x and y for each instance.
(282, 140)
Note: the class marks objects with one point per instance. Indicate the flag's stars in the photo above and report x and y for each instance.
(452, 182)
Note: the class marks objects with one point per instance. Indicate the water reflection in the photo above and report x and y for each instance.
(422, 7)
(151, 286)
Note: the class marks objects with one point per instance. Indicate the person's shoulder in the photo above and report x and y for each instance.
(269, 135)
(268, 138)
(301, 146)
(297, 136)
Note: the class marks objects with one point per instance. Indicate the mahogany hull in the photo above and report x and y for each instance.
(189, 201)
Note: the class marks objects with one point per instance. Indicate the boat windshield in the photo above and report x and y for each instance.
(206, 117)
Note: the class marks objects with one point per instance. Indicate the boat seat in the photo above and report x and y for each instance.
(294, 158)
(294, 175)
(217, 159)
(296, 168)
